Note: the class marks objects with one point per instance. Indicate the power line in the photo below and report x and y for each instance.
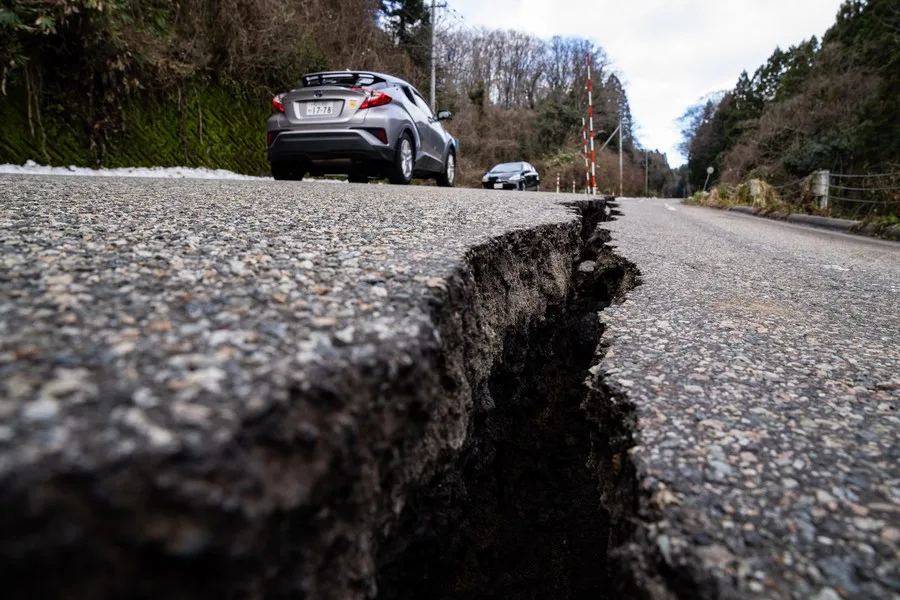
(455, 14)
(399, 10)
(424, 46)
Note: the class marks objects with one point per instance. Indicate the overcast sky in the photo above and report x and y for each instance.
(670, 52)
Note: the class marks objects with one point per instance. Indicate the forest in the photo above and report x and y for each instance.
(188, 82)
(825, 104)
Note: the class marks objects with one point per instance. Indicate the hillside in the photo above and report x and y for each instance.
(154, 82)
(829, 104)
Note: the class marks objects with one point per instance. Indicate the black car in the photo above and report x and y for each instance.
(512, 176)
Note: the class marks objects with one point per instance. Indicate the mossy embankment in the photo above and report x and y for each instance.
(194, 125)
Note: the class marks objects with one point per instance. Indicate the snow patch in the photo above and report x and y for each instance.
(32, 168)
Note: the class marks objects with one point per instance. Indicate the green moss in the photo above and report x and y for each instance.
(218, 126)
(51, 139)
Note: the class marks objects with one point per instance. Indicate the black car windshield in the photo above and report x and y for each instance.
(508, 167)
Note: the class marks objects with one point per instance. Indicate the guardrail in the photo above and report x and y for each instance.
(847, 194)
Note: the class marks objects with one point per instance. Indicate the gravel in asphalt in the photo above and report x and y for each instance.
(183, 307)
(764, 363)
(762, 358)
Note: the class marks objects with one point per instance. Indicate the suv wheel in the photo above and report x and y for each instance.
(401, 171)
(448, 177)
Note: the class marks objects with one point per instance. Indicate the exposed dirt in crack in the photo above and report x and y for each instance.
(542, 489)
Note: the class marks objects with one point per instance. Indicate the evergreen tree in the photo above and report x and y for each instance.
(818, 105)
(409, 22)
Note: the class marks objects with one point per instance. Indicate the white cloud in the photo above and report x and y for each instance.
(670, 52)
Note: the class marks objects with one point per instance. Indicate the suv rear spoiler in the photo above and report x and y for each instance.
(342, 78)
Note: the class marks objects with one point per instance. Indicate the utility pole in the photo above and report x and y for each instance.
(434, 7)
(433, 53)
(621, 183)
(646, 174)
(593, 181)
(587, 172)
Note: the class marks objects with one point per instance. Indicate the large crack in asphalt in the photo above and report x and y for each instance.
(486, 458)
(543, 489)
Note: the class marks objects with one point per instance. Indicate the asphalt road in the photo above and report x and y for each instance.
(153, 317)
(764, 361)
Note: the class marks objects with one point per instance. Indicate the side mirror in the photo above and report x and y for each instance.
(444, 115)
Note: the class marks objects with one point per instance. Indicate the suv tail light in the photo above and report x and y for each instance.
(276, 103)
(375, 98)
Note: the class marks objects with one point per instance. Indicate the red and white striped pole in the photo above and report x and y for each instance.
(591, 119)
(587, 174)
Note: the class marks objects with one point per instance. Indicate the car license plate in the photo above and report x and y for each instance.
(498, 186)
(319, 108)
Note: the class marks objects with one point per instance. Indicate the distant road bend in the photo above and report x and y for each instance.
(242, 389)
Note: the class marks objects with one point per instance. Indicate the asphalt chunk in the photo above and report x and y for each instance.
(199, 303)
(232, 389)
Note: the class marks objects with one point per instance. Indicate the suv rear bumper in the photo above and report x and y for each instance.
(315, 146)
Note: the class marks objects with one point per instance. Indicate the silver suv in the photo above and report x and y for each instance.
(360, 124)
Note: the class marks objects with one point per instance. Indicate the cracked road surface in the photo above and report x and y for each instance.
(764, 363)
(243, 380)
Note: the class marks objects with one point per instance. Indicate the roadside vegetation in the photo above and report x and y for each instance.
(188, 82)
(829, 104)
(756, 194)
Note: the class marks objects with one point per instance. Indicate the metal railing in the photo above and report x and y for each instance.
(854, 195)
